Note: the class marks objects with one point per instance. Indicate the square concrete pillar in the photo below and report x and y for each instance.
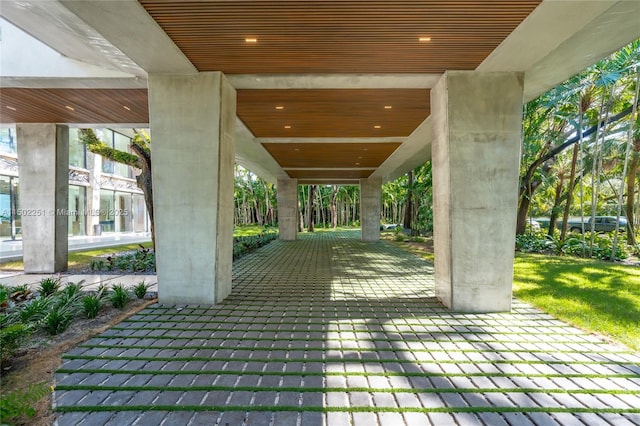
(287, 209)
(43, 168)
(476, 125)
(192, 120)
(370, 207)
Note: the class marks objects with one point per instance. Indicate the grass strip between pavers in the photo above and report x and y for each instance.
(338, 373)
(337, 339)
(320, 389)
(328, 320)
(279, 408)
(304, 348)
(399, 361)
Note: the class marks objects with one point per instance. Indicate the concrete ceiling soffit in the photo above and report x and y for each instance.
(561, 38)
(57, 27)
(414, 152)
(253, 156)
(127, 26)
(334, 81)
(28, 63)
(73, 82)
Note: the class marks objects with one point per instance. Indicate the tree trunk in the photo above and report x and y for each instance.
(572, 181)
(556, 206)
(310, 208)
(334, 212)
(408, 206)
(145, 183)
(631, 184)
(268, 217)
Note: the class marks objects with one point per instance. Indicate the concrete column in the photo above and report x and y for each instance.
(288, 209)
(192, 120)
(370, 207)
(43, 168)
(476, 125)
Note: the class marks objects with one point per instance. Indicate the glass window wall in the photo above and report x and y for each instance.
(77, 210)
(8, 140)
(107, 203)
(77, 157)
(139, 211)
(10, 221)
(121, 143)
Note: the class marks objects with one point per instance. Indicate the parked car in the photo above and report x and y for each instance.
(542, 221)
(602, 224)
(388, 226)
(533, 224)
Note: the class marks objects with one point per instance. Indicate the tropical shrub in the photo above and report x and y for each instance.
(119, 296)
(574, 245)
(12, 336)
(140, 289)
(49, 286)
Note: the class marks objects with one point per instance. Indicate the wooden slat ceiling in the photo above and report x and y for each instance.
(20, 105)
(325, 155)
(333, 113)
(339, 36)
(305, 37)
(335, 36)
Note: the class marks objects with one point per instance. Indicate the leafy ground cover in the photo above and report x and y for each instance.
(576, 245)
(37, 326)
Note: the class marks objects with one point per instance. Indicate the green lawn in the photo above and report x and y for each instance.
(81, 259)
(596, 296)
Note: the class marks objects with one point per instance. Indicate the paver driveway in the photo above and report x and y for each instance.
(330, 330)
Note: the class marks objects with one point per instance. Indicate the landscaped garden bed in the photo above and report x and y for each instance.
(37, 325)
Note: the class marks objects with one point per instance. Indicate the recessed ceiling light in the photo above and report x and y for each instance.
(388, 107)
(251, 40)
(279, 107)
(70, 108)
(126, 107)
(11, 108)
(296, 149)
(360, 158)
(366, 149)
(287, 127)
(377, 127)
(357, 164)
(424, 39)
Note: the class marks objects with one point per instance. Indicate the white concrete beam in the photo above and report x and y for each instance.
(253, 156)
(128, 27)
(561, 38)
(57, 27)
(414, 152)
(27, 62)
(334, 81)
(396, 139)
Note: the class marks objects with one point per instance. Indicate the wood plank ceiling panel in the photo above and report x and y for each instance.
(338, 36)
(21, 105)
(333, 113)
(330, 155)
